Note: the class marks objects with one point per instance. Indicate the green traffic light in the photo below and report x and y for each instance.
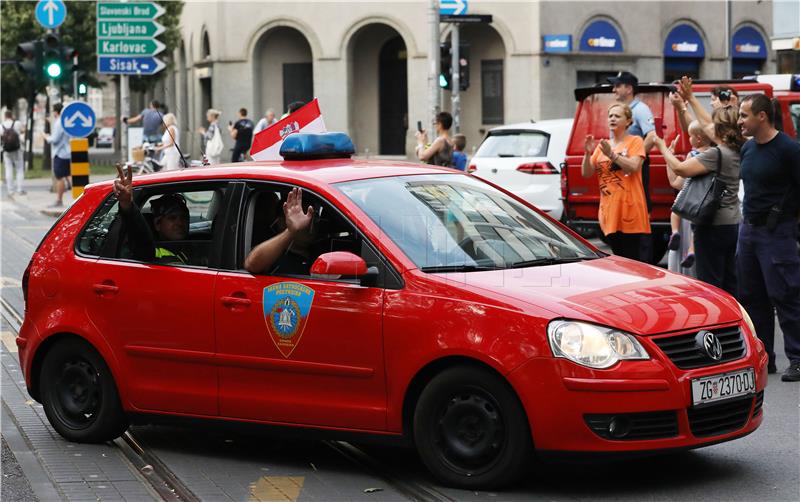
(81, 88)
(53, 70)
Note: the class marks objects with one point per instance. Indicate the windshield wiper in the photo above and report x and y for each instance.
(550, 261)
(457, 268)
(506, 155)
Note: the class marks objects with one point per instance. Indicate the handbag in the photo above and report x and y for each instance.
(215, 146)
(701, 196)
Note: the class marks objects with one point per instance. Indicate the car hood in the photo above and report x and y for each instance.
(611, 291)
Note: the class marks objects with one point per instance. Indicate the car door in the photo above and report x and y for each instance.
(159, 318)
(296, 349)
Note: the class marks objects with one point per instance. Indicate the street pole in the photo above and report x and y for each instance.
(75, 93)
(455, 81)
(434, 103)
(728, 59)
(125, 110)
(29, 129)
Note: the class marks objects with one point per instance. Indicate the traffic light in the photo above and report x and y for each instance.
(446, 70)
(53, 61)
(29, 58)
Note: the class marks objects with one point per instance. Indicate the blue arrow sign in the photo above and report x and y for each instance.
(453, 7)
(78, 119)
(121, 65)
(51, 13)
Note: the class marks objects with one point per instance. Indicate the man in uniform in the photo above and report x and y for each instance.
(767, 262)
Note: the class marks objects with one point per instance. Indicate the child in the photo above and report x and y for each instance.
(459, 157)
(700, 143)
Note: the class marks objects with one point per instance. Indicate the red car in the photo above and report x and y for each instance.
(433, 307)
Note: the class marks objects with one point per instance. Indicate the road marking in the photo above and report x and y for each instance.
(276, 489)
(9, 340)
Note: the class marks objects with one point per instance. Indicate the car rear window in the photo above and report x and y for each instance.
(514, 144)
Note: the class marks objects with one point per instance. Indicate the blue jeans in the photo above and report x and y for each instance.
(768, 268)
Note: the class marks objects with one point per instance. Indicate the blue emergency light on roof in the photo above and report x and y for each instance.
(330, 145)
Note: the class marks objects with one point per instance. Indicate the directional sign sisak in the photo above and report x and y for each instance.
(141, 11)
(144, 29)
(78, 119)
(51, 13)
(128, 47)
(129, 65)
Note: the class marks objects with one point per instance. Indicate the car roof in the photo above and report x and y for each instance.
(310, 172)
(542, 125)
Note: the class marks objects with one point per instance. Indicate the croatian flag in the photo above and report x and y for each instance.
(267, 143)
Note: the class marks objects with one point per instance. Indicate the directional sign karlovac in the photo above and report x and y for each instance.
(51, 13)
(128, 47)
(453, 7)
(78, 119)
(129, 65)
(134, 10)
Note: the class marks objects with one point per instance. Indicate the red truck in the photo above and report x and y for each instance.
(582, 197)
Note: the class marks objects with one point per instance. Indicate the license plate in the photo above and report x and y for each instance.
(725, 386)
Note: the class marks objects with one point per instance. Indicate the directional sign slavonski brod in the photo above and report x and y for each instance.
(134, 10)
(51, 13)
(453, 7)
(78, 119)
(126, 38)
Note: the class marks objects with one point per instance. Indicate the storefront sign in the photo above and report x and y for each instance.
(684, 41)
(601, 36)
(557, 43)
(748, 44)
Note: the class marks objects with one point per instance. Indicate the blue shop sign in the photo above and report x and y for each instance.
(683, 41)
(601, 36)
(748, 43)
(557, 43)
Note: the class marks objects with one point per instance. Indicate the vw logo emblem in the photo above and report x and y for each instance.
(709, 344)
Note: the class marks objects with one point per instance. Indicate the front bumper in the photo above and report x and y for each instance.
(569, 406)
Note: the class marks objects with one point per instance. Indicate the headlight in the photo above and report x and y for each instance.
(747, 321)
(592, 346)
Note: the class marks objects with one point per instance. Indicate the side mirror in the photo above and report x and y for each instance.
(339, 263)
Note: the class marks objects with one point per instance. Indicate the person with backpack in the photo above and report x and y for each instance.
(13, 158)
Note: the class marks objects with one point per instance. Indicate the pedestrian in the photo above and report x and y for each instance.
(242, 133)
(459, 157)
(212, 136)
(59, 153)
(617, 163)
(267, 120)
(767, 262)
(440, 152)
(170, 144)
(715, 242)
(721, 95)
(642, 125)
(151, 122)
(11, 132)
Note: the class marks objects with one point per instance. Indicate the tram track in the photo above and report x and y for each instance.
(168, 486)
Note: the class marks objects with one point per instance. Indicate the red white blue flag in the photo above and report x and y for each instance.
(267, 143)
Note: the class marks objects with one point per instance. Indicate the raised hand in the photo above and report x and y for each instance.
(296, 220)
(123, 187)
(605, 147)
(677, 100)
(589, 144)
(674, 143)
(685, 88)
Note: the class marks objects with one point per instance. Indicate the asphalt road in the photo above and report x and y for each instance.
(228, 465)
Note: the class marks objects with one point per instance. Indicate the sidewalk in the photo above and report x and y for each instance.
(38, 198)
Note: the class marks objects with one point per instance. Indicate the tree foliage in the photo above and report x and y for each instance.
(18, 24)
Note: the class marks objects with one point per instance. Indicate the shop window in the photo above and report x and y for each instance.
(492, 91)
(675, 68)
(590, 78)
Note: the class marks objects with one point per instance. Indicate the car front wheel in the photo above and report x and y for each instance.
(470, 429)
(79, 394)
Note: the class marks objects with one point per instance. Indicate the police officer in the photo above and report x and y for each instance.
(768, 265)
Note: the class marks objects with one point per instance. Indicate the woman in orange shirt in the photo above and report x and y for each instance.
(617, 163)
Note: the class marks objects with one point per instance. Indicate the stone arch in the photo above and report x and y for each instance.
(306, 30)
(602, 17)
(399, 27)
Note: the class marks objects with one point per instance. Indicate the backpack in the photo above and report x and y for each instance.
(10, 139)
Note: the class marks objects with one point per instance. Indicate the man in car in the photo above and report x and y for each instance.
(288, 252)
(170, 220)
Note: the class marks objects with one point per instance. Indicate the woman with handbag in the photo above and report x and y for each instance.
(712, 204)
(212, 137)
(617, 163)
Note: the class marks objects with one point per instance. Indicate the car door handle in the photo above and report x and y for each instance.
(235, 301)
(105, 287)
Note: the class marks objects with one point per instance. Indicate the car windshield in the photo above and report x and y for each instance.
(457, 223)
(514, 144)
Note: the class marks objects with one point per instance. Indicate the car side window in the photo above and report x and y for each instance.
(101, 231)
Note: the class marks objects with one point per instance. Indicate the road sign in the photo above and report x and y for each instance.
(143, 29)
(77, 119)
(141, 11)
(453, 7)
(51, 13)
(128, 47)
(469, 19)
(130, 65)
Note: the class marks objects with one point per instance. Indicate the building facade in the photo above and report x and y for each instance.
(367, 62)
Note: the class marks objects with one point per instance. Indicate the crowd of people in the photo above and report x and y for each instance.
(747, 248)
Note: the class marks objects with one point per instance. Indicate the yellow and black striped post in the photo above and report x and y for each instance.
(79, 166)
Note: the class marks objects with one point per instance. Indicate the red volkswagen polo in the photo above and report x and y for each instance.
(421, 303)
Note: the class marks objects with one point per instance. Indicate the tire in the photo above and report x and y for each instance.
(470, 430)
(79, 395)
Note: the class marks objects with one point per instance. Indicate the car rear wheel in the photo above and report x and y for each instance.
(470, 429)
(79, 394)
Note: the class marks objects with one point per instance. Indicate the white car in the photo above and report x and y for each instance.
(525, 159)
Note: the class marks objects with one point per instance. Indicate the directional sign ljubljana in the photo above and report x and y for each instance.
(130, 65)
(51, 13)
(78, 119)
(128, 47)
(145, 29)
(134, 10)
(453, 7)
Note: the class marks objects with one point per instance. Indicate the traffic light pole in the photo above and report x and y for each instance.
(125, 111)
(455, 69)
(75, 93)
(434, 101)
